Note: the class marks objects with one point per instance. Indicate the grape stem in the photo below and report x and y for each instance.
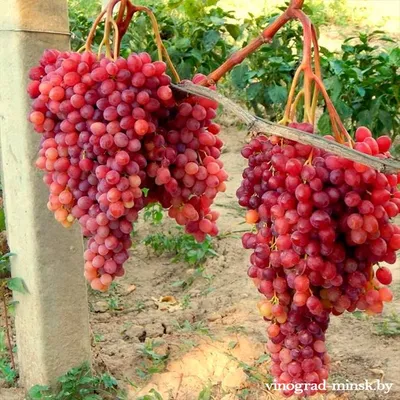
(92, 33)
(120, 25)
(259, 125)
(313, 76)
(317, 67)
(162, 51)
(299, 95)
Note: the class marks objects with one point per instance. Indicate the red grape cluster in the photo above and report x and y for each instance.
(110, 129)
(322, 223)
(184, 161)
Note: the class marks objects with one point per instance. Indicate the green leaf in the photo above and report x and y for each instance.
(234, 30)
(357, 73)
(185, 68)
(205, 394)
(386, 120)
(17, 285)
(217, 20)
(11, 307)
(109, 381)
(182, 43)
(197, 54)
(334, 87)
(239, 76)
(324, 124)
(277, 94)
(38, 392)
(364, 118)
(2, 220)
(348, 48)
(174, 3)
(337, 66)
(394, 56)
(253, 90)
(360, 91)
(343, 109)
(211, 38)
(275, 60)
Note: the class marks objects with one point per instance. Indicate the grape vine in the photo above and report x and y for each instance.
(116, 136)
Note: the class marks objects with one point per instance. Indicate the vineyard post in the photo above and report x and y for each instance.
(52, 325)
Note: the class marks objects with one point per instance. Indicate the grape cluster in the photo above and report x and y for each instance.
(322, 223)
(110, 129)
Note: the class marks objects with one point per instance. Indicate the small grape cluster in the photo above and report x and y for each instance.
(110, 129)
(321, 224)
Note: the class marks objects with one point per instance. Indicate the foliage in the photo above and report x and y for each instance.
(15, 284)
(388, 325)
(364, 84)
(81, 17)
(80, 384)
(265, 76)
(153, 213)
(196, 327)
(152, 395)
(363, 81)
(206, 393)
(5, 263)
(253, 372)
(2, 219)
(154, 362)
(337, 12)
(7, 373)
(184, 247)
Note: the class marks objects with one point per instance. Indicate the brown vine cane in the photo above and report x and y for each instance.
(311, 99)
(265, 37)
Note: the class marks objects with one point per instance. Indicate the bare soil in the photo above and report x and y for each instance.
(210, 333)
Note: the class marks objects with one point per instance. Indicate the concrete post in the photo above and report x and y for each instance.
(52, 324)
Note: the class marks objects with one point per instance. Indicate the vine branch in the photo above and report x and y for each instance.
(263, 126)
(265, 37)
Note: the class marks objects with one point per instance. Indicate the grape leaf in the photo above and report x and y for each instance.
(217, 20)
(2, 220)
(386, 120)
(334, 87)
(233, 30)
(277, 94)
(211, 38)
(253, 90)
(17, 285)
(182, 43)
(343, 109)
(239, 76)
(394, 56)
(364, 118)
(324, 124)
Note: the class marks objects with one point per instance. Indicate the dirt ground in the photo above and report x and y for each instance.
(210, 334)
